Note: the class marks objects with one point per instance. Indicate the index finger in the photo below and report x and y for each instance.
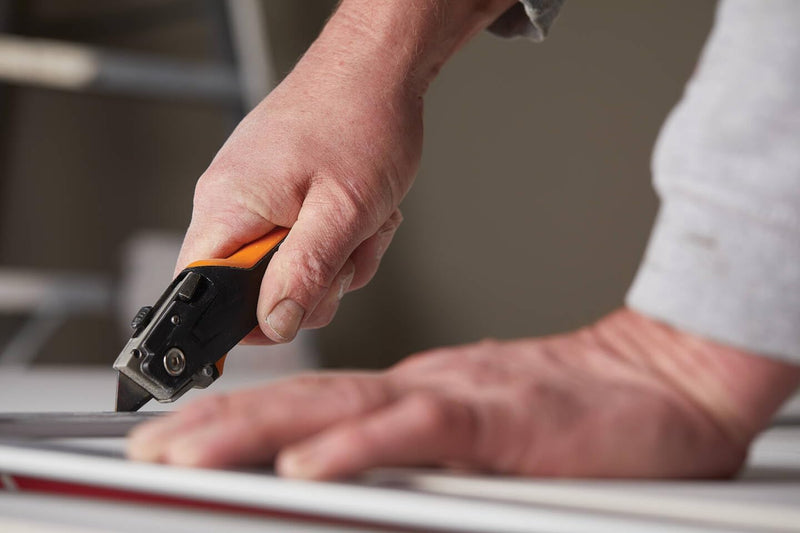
(250, 426)
(211, 238)
(420, 429)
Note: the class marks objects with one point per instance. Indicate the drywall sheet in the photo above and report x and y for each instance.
(412, 499)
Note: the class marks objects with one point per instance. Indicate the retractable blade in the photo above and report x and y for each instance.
(130, 396)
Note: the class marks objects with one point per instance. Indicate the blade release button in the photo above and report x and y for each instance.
(189, 286)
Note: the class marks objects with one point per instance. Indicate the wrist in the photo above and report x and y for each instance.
(401, 44)
(738, 390)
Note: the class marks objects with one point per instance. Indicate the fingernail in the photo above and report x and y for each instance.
(344, 284)
(298, 464)
(142, 450)
(285, 318)
(192, 449)
(143, 446)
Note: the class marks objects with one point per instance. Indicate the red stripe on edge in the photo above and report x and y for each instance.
(64, 488)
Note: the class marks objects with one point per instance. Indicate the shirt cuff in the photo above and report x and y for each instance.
(711, 270)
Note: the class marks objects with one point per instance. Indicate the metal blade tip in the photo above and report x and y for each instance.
(130, 396)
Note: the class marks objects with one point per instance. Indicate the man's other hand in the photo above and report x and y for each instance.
(626, 397)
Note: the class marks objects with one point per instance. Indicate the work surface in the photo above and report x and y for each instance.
(765, 498)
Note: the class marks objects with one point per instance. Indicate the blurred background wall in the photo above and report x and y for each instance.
(529, 215)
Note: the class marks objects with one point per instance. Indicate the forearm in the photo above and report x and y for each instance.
(400, 44)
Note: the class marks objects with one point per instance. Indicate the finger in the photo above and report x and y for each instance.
(305, 267)
(207, 239)
(326, 309)
(254, 424)
(367, 257)
(217, 231)
(368, 254)
(145, 441)
(256, 338)
(420, 429)
(361, 266)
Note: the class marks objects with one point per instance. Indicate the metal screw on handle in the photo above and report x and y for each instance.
(174, 362)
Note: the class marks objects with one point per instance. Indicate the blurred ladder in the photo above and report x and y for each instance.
(239, 79)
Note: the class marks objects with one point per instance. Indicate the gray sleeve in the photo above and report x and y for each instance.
(528, 18)
(723, 259)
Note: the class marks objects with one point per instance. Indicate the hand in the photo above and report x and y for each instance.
(330, 153)
(627, 397)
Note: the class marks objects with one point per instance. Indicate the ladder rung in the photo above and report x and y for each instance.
(76, 67)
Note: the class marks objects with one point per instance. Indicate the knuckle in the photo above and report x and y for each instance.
(351, 394)
(313, 271)
(309, 381)
(360, 208)
(430, 411)
(205, 190)
(356, 395)
(230, 192)
(218, 200)
(320, 318)
(386, 232)
(229, 165)
(217, 179)
(317, 272)
(355, 437)
(210, 406)
(394, 221)
(424, 359)
(486, 345)
(460, 423)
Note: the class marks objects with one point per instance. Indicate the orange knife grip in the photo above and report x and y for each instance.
(250, 254)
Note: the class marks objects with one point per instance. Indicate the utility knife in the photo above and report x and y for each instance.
(181, 342)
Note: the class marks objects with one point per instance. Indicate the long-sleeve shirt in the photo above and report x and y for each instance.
(723, 260)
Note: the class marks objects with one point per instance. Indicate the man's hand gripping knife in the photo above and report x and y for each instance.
(330, 153)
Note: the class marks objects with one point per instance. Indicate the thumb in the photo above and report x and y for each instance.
(306, 265)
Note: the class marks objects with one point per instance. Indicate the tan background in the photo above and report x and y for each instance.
(529, 215)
